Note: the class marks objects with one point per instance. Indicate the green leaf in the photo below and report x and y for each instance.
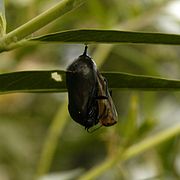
(140, 82)
(2, 18)
(109, 36)
(32, 81)
(55, 81)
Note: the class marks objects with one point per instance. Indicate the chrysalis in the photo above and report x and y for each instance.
(90, 102)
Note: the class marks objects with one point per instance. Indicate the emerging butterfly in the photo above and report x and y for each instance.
(90, 101)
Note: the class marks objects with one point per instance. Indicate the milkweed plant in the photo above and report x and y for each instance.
(137, 57)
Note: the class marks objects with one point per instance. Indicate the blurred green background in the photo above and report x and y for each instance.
(25, 119)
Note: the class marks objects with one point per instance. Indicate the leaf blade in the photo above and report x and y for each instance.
(32, 81)
(55, 81)
(109, 36)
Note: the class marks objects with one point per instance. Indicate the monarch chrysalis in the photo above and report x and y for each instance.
(90, 102)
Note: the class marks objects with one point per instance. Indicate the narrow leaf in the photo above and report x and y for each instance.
(54, 81)
(32, 81)
(140, 82)
(109, 36)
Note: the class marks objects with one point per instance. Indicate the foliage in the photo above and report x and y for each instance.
(146, 138)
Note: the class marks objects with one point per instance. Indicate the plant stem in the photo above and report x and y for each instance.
(2, 19)
(55, 130)
(131, 152)
(40, 21)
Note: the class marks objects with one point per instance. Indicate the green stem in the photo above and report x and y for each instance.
(52, 139)
(40, 21)
(131, 152)
(2, 19)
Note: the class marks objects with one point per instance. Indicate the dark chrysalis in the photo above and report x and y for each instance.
(82, 85)
(90, 102)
